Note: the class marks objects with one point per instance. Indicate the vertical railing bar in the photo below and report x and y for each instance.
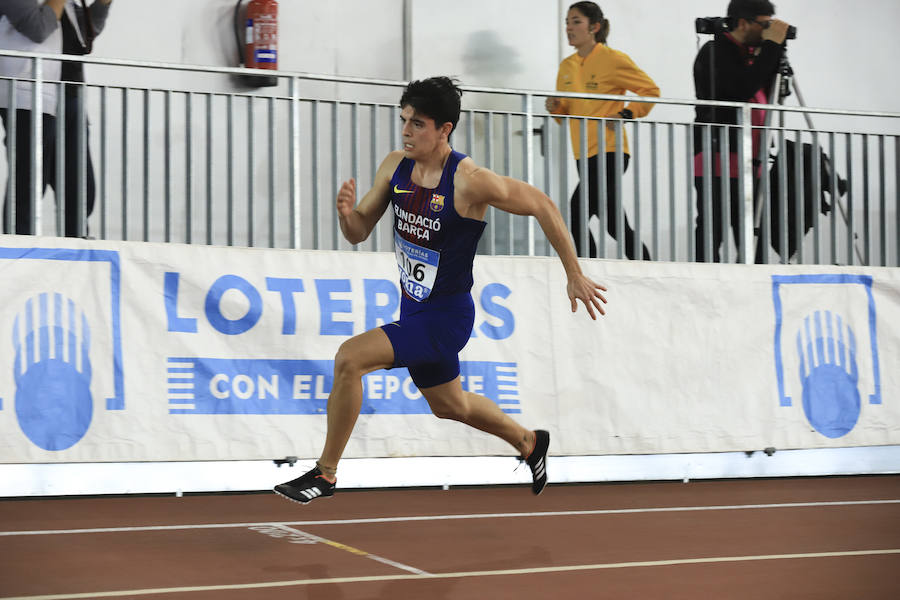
(673, 242)
(583, 185)
(528, 140)
(188, 167)
(354, 155)
(896, 198)
(507, 170)
(745, 187)
(314, 164)
(81, 215)
(489, 161)
(335, 171)
(167, 164)
(37, 146)
(62, 201)
(816, 184)
(637, 246)
(783, 204)
(724, 223)
(547, 145)
(296, 238)
(708, 220)
(12, 159)
(209, 169)
(470, 133)
(765, 195)
(835, 197)
(799, 207)
(229, 167)
(689, 191)
(103, 198)
(124, 154)
(270, 169)
(373, 162)
(251, 171)
(654, 189)
(851, 230)
(146, 169)
(563, 162)
(866, 217)
(619, 205)
(882, 205)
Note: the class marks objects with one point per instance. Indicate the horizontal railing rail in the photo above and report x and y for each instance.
(227, 166)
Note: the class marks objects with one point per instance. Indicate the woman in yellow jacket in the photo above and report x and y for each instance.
(597, 68)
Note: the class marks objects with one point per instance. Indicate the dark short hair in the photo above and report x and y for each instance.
(748, 9)
(594, 14)
(437, 98)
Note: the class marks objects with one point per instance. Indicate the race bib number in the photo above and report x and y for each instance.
(418, 267)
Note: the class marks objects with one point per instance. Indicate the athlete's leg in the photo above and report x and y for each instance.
(357, 356)
(450, 401)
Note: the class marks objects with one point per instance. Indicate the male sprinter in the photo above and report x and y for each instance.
(439, 199)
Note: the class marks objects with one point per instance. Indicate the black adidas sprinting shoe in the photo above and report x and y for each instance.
(537, 461)
(307, 487)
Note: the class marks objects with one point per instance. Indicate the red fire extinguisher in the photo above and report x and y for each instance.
(261, 42)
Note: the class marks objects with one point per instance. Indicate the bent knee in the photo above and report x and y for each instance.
(455, 411)
(347, 363)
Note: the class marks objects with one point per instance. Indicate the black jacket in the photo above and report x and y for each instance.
(722, 71)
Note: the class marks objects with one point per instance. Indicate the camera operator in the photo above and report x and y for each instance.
(739, 64)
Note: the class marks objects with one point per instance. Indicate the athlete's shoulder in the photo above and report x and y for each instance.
(389, 165)
(474, 181)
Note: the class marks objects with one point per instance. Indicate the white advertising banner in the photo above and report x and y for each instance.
(128, 351)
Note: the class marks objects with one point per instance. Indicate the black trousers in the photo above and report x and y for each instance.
(714, 221)
(594, 206)
(23, 169)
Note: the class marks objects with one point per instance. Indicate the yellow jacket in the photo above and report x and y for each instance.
(603, 71)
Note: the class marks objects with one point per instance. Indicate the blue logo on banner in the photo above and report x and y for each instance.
(299, 387)
(51, 341)
(828, 356)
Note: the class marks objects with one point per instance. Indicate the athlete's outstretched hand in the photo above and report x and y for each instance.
(346, 198)
(581, 288)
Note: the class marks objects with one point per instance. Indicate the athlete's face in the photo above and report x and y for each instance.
(420, 134)
(579, 30)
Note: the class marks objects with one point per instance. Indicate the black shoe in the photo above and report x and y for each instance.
(537, 461)
(307, 487)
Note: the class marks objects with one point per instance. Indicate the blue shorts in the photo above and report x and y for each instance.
(429, 335)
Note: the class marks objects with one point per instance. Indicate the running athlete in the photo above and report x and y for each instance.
(439, 198)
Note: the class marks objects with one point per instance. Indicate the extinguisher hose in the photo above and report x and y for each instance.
(239, 31)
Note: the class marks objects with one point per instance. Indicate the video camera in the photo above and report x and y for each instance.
(713, 25)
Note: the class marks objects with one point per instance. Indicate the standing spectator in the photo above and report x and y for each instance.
(33, 26)
(597, 68)
(738, 65)
(80, 25)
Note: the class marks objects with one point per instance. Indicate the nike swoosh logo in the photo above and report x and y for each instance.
(397, 190)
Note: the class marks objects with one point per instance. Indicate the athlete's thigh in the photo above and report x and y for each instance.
(368, 351)
(445, 395)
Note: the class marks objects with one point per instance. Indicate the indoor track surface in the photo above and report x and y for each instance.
(815, 538)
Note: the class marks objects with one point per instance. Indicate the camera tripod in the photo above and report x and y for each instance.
(781, 88)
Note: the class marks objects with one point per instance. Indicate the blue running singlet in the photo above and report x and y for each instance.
(435, 248)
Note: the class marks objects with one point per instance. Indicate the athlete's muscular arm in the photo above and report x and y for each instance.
(478, 186)
(357, 222)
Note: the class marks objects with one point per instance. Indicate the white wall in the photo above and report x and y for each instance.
(843, 55)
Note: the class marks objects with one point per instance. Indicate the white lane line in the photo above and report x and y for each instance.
(353, 550)
(564, 513)
(459, 575)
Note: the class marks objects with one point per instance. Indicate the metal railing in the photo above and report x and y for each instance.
(262, 169)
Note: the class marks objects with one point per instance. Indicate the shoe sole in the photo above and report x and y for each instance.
(286, 497)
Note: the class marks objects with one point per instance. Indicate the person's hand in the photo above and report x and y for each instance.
(776, 31)
(581, 288)
(346, 198)
(552, 104)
